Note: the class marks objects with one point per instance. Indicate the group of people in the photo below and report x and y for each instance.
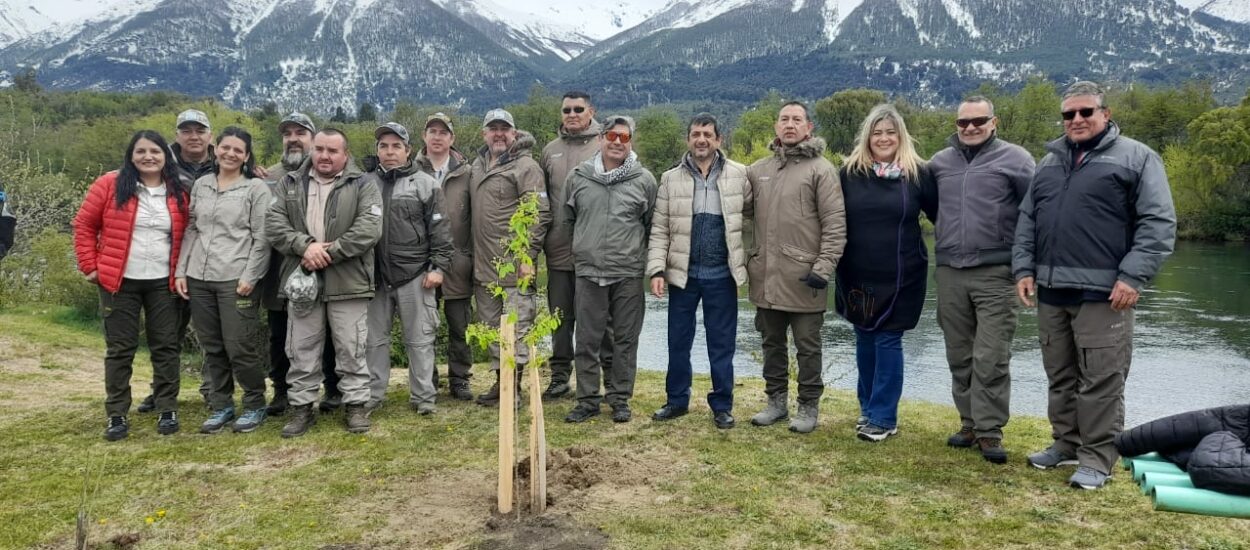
(334, 252)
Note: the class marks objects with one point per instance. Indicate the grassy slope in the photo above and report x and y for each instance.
(418, 482)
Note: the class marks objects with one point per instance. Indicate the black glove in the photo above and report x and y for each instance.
(815, 281)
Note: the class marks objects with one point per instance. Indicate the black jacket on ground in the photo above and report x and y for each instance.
(1210, 444)
(882, 274)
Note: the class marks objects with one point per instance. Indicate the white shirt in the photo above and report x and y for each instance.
(150, 241)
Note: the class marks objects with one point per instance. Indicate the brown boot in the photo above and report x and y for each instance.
(992, 449)
(357, 419)
(963, 438)
(302, 418)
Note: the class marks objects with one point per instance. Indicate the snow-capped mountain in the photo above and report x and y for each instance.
(322, 54)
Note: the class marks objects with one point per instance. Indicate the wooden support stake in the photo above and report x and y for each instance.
(507, 412)
(538, 438)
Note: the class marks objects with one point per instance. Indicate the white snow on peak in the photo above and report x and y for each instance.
(798, 5)
(703, 12)
(835, 12)
(23, 18)
(1231, 10)
(961, 16)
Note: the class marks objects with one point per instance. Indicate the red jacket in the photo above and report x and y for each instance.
(102, 232)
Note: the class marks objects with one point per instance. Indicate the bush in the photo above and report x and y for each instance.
(47, 273)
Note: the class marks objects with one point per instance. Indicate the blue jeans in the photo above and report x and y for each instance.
(720, 322)
(879, 356)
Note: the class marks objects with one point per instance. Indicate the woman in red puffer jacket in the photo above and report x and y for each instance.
(127, 235)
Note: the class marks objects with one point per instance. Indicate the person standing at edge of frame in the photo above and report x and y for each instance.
(127, 237)
(696, 248)
(981, 180)
(1094, 229)
(800, 231)
(882, 275)
(223, 259)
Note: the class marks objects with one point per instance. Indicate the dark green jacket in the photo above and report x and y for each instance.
(611, 221)
(353, 224)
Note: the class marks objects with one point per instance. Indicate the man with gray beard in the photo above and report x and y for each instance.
(297, 133)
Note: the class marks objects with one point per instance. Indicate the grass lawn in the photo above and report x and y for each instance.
(428, 482)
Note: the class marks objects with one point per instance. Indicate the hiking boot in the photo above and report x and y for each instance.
(330, 403)
(217, 420)
(357, 419)
(874, 433)
(804, 420)
(776, 410)
(278, 406)
(167, 424)
(117, 428)
(668, 412)
(581, 413)
(557, 389)
(1051, 458)
(723, 420)
(1088, 478)
(302, 418)
(491, 397)
(621, 413)
(250, 420)
(424, 409)
(460, 391)
(148, 404)
(964, 438)
(372, 406)
(992, 449)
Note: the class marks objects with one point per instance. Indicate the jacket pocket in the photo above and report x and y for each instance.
(799, 255)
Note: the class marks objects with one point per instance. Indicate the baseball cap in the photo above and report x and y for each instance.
(498, 115)
(391, 128)
(298, 119)
(192, 115)
(614, 120)
(439, 117)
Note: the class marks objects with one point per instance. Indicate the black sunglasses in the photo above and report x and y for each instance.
(579, 110)
(1086, 112)
(978, 121)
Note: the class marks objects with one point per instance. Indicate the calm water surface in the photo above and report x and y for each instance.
(1191, 346)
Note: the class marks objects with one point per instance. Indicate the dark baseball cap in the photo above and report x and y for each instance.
(298, 119)
(392, 128)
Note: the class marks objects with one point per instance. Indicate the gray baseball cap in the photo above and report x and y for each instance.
(298, 119)
(498, 115)
(392, 128)
(439, 117)
(193, 116)
(614, 120)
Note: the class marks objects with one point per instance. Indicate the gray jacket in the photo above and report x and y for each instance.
(225, 237)
(611, 220)
(979, 202)
(415, 235)
(1110, 218)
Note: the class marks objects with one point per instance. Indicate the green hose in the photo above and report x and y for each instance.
(1159, 479)
(1140, 467)
(1200, 501)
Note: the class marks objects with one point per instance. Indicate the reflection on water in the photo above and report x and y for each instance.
(1191, 346)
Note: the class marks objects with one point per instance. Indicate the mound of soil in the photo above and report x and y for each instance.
(547, 532)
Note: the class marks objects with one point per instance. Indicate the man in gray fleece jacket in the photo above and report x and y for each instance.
(981, 180)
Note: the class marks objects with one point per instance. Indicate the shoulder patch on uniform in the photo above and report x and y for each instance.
(765, 178)
(556, 155)
(376, 210)
(438, 217)
(542, 194)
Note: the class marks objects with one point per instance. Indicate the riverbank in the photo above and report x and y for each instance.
(428, 482)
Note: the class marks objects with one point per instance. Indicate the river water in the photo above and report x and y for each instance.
(1191, 348)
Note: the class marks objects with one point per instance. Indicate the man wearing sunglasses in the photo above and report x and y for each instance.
(981, 181)
(1094, 229)
(577, 142)
(610, 202)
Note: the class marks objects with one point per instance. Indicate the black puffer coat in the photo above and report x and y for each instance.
(1210, 444)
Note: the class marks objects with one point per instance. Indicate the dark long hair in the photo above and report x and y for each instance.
(248, 168)
(128, 176)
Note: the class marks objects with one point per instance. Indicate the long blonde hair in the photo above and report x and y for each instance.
(860, 159)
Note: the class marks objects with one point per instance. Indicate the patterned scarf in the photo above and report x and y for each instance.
(620, 171)
(887, 170)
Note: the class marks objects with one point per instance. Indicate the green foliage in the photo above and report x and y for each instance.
(47, 274)
(839, 116)
(539, 115)
(1159, 117)
(367, 113)
(1028, 119)
(755, 129)
(660, 141)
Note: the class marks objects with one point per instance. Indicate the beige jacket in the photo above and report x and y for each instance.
(495, 192)
(800, 227)
(669, 250)
(457, 281)
(558, 160)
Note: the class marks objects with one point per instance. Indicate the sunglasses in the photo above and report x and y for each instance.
(978, 121)
(621, 137)
(579, 110)
(1085, 112)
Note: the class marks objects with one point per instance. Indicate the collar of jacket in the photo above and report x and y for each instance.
(590, 171)
(209, 159)
(520, 148)
(717, 164)
(455, 163)
(350, 173)
(953, 141)
(811, 148)
(1064, 147)
(389, 176)
(591, 132)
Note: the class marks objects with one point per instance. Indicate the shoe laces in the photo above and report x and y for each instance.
(169, 415)
(115, 421)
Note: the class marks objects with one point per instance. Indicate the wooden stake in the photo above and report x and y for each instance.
(538, 438)
(507, 412)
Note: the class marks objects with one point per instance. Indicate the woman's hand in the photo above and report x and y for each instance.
(93, 277)
(180, 286)
(244, 289)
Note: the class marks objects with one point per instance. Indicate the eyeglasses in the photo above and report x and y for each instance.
(621, 137)
(978, 121)
(1086, 112)
(579, 110)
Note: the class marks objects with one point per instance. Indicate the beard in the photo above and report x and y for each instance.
(293, 158)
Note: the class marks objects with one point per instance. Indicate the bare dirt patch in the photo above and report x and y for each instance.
(33, 376)
(546, 532)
